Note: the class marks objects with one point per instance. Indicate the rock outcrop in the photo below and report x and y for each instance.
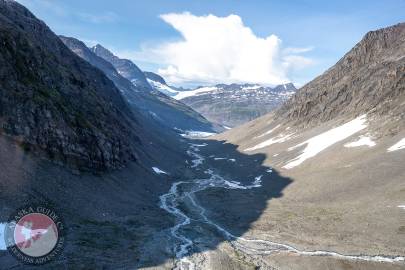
(369, 78)
(53, 102)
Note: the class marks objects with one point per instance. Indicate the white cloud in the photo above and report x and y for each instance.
(292, 50)
(221, 49)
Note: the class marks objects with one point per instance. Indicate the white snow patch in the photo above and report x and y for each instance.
(401, 206)
(322, 141)
(251, 87)
(165, 89)
(196, 134)
(257, 182)
(270, 170)
(219, 158)
(234, 184)
(363, 140)
(399, 145)
(195, 92)
(268, 132)
(278, 139)
(158, 171)
(232, 160)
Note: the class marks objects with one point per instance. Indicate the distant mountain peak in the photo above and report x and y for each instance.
(99, 49)
(155, 77)
(125, 67)
(228, 104)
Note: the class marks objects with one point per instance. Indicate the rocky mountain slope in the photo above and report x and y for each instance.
(58, 113)
(235, 104)
(152, 104)
(125, 67)
(160, 107)
(54, 102)
(368, 78)
(341, 139)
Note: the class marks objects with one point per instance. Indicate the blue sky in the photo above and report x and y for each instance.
(310, 36)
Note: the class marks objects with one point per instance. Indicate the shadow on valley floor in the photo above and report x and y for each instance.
(233, 209)
(114, 221)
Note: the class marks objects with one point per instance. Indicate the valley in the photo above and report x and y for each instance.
(144, 170)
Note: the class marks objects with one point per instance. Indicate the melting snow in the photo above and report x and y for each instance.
(258, 181)
(190, 93)
(251, 87)
(196, 134)
(163, 88)
(322, 141)
(363, 140)
(158, 171)
(278, 139)
(399, 145)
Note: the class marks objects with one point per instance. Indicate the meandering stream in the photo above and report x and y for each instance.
(182, 193)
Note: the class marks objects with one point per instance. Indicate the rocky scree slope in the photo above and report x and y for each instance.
(369, 78)
(53, 102)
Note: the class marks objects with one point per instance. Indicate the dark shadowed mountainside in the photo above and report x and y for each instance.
(54, 102)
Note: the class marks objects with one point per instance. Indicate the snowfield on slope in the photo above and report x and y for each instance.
(167, 90)
(322, 141)
(158, 171)
(362, 141)
(196, 134)
(398, 146)
(190, 93)
(278, 139)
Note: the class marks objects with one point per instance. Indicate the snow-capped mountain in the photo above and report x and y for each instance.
(228, 104)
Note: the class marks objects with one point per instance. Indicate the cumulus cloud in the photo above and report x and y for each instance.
(221, 50)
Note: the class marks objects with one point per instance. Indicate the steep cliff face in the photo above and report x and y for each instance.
(369, 78)
(54, 102)
(125, 67)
